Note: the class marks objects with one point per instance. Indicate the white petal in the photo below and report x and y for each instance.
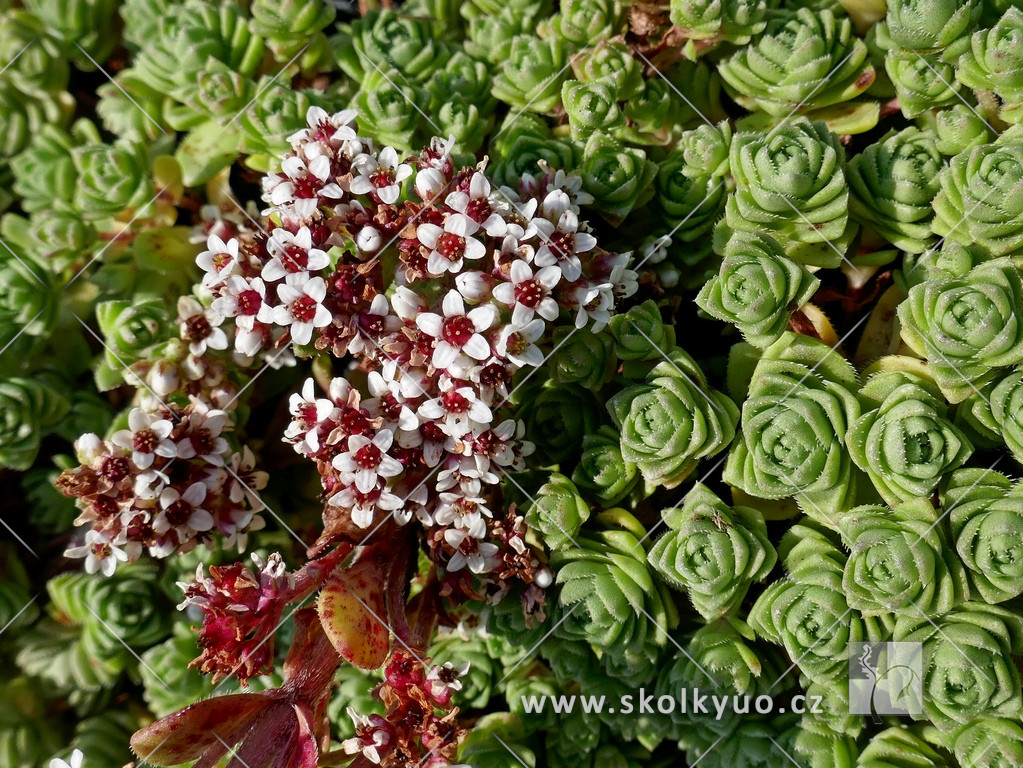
(444, 354)
(430, 323)
(483, 317)
(453, 304)
(477, 347)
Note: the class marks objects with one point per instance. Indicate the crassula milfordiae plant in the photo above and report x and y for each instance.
(687, 356)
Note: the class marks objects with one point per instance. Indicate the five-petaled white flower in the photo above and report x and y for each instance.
(292, 253)
(200, 326)
(302, 184)
(517, 343)
(562, 244)
(219, 260)
(476, 205)
(99, 552)
(367, 460)
(479, 556)
(309, 412)
(450, 244)
(529, 294)
(381, 175)
(147, 437)
(458, 332)
(457, 411)
(302, 309)
(182, 509)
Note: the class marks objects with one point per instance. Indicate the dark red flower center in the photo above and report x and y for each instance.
(249, 302)
(562, 244)
(303, 309)
(451, 246)
(197, 328)
(478, 209)
(294, 258)
(530, 293)
(457, 330)
(454, 402)
(367, 457)
(145, 441)
(114, 468)
(178, 513)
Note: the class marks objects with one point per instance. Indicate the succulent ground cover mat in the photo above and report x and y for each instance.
(538, 383)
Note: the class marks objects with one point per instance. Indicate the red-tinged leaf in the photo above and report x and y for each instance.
(352, 610)
(186, 734)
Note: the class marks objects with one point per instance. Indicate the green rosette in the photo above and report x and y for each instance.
(557, 512)
(619, 177)
(899, 748)
(111, 178)
(289, 25)
(387, 39)
(712, 552)
(590, 107)
(899, 561)
(753, 743)
(801, 404)
(807, 612)
(985, 512)
(723, 659)
(968, 671)
(1006, 407)
(85, 22)
(29, 409)
(922, 81)
(801, 62)
(640, 334)
(611, 62)
(893, 184)
(581, 357)
(384, 112)
(930, 25)
(557, 417)
(691, 201)
(530, 76)
(185, 40)
(990, 742)
(672, 420)
(521, 143)
(905, 440)
(959, 129)
(981, 199)
(733, 21)
(756, 288)
(705, 150)
(606, 596)
(585, 22)
(790, 184)
(966, 327)
(994, 62)
(602, 474)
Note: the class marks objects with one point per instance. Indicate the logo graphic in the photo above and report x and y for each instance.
(885, 678)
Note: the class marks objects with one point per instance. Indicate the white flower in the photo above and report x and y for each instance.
(147, 437)
(516, 343)
(451, 244)
(200, 326)
(595, 303)
(529, 294)
(182, 510)
(562, 244)
(302, 309)
(75, 762)
(309, 412)
(302, 184)
(479, 556)
(219, 260)
(366, 461)
(519, 220)
(292, 253)
(477, 206)
(458, 332)
(372, 734)
(457, 411)
(99, 552)
(330, 130)
(392, 401)
(381, 174)
(244, 300)
(363, 506)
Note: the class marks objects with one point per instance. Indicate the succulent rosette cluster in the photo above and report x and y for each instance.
(376, 377)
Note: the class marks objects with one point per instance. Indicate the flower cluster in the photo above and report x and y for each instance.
(482, 274)
(164, 484)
